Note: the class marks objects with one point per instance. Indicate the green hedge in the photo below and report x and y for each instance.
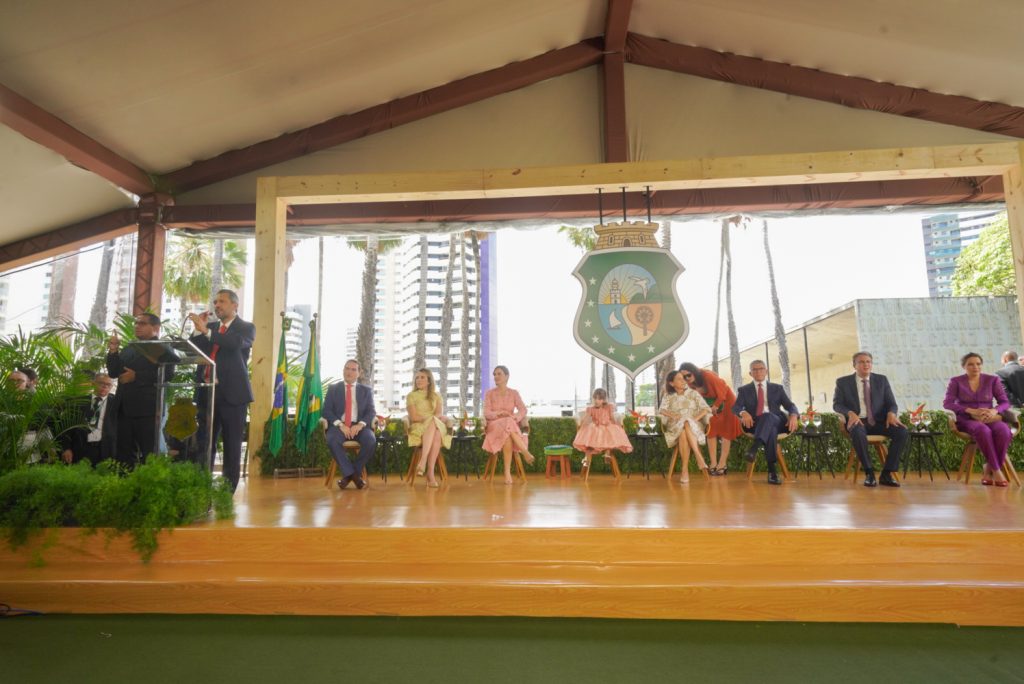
(156, 495)
(549, 431)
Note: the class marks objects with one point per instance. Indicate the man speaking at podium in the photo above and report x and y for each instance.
(229, 345)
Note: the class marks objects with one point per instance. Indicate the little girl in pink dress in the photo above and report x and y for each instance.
(599, 433)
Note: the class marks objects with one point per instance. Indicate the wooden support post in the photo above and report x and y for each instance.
(268, 302)
(1013, 186)
(149, 258)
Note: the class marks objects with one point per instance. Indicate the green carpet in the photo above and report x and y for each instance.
(196, 649)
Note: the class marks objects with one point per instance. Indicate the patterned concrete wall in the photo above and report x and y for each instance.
(918, 343)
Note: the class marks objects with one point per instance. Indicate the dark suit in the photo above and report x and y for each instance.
(137, 400)
(1012, 377)
(770, 424)
(334, 409)
(233, 393)
(77, 438)
(847, 397)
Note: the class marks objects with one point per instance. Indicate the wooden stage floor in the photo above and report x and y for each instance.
(655, 503)
(724, 549)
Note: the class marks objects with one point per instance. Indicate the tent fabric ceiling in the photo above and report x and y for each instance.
(166, 84)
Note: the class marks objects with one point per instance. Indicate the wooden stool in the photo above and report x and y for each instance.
(778, 455)
(352, 447)
(880, 444)
(971, 450)
(492, 465)
(589, 461)
(442, 467)
(560, 454)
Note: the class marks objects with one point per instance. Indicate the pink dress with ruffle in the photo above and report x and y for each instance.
(601, 433)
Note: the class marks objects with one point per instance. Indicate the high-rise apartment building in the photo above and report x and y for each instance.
(396, 318)
(945, 236)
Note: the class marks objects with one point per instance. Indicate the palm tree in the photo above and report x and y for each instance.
(420, 355)
(478, 371)
(446, 324)
(372, 248)
(780, 333)
(217, 276)
(188, 270)
(718, 296)
(734, 345)
(98, 314)
(668, 363)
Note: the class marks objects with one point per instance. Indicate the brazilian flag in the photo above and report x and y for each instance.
(280, 410)
(310, 396)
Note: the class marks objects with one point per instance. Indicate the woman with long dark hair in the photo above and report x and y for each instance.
(724, 424)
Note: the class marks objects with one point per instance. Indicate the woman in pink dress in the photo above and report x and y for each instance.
(970, 396)
(505, 412)
(599, 433)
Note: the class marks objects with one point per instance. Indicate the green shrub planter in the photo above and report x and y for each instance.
(157, 495)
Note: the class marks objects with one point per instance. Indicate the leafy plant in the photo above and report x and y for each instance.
(155, 496)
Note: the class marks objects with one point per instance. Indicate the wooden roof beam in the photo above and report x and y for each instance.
(42, 127)
(347, 127)
(849, 91)
(67, 238)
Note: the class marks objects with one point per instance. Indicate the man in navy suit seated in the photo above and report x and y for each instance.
(865, 401)
(228, 343)
(349, 412)
(766, 411)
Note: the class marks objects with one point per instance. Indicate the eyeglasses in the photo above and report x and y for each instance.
(687, 376)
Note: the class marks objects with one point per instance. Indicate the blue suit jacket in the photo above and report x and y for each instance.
(233, 349)
(334, 405)
(847, 396)
(775, 401)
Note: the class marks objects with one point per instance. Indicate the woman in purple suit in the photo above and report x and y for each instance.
(970, 397)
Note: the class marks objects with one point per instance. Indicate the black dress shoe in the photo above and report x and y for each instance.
(751, 454)
(869, 480)
(887, 480)
(360, 482)
(773, 478)
(343, 482)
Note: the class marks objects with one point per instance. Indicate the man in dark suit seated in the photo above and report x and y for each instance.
(349, 412)
(766, 411)
(138, 369)
(866, 402)
(228, 344)
(94, 439)
(1012, 377)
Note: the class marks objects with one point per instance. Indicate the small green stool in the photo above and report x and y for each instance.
(560, 454)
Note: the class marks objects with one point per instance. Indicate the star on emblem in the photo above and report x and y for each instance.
(590, 302)
(632, 358)
(611, 350)
(651, 348)
(593, 281)
(586, 324)
(594, 339)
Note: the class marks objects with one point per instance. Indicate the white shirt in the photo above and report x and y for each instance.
(355, 405)
(96, 434)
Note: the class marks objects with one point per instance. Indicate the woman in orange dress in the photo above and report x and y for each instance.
(724, 424)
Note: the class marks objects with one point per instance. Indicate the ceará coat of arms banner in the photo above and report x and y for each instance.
(629, 315)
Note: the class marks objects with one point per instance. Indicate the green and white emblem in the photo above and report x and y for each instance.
(629, 315)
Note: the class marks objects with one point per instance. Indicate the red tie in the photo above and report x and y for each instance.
(213, 354)
(348, 405)
(760, 398)
(867, 403)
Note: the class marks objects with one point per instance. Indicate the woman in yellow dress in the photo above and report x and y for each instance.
(427, 428)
